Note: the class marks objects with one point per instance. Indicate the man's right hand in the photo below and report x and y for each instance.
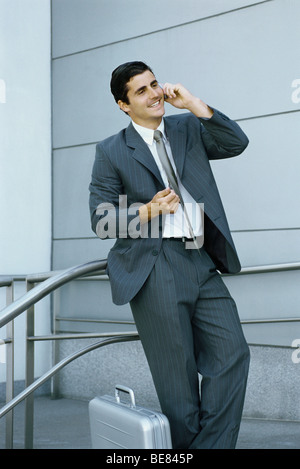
(164, 202)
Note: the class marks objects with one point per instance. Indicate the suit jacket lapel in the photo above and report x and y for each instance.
(141, 151)
(177, 138)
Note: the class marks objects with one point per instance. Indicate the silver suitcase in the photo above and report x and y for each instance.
(119, 425)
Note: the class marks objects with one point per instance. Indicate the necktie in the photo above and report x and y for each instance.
(166, 164)
(172, 178)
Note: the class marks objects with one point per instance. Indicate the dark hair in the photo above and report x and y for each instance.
(121, 76)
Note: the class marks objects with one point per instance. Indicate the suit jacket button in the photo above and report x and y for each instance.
(154, 252)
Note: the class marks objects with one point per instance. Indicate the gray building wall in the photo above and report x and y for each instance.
(25, 161)
(239, 56)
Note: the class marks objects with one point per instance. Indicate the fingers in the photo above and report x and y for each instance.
(179, 97)
(164, 202)
(167, 195)
(171, 90)
(167, 200)
(163, 193)
(171, 197)
(173, 206)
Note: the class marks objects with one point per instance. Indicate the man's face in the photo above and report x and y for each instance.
(146, 100)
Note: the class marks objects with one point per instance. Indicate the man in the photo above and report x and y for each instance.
(185, 316)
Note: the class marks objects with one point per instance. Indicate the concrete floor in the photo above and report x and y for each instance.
(64, 424)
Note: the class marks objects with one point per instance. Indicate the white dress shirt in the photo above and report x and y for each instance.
(175, 224)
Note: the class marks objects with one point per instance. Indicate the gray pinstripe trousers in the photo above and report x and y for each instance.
(188, 324)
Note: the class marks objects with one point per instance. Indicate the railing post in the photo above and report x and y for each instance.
(29, 374)
(9, 370)
(55, 345)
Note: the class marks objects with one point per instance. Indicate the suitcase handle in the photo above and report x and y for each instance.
(120, 387)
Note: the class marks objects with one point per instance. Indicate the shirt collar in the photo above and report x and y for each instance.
(147, 134)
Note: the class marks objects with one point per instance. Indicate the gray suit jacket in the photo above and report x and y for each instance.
(124, 165)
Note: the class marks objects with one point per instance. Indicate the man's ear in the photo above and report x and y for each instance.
(123, 106)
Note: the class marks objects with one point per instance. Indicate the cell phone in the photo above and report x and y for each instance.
(161, 86)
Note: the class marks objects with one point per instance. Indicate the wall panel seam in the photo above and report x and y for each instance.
(261, 116)
(187, 23)
(241, 119)
(255, 230)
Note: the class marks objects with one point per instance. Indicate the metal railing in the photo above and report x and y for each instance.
(48, 283)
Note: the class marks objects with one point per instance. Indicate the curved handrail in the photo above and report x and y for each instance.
(53, 280)
(37, 383)
(269, 268)
(5, 281)
(62, 277)
(47, 286)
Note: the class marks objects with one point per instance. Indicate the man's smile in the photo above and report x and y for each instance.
(156, 103)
